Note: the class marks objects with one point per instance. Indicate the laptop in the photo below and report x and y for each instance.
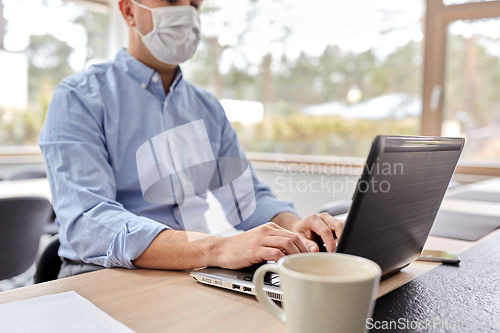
(394, 206)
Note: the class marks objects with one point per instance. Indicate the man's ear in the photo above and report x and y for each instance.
(127, 13)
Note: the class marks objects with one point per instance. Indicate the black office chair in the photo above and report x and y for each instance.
(49, 262)
(21, 225)
(51, 228)
(28, 173)
(336, 207)
(454, 184)
(24, 173)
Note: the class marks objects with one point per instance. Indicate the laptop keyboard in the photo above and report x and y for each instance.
(271, 279)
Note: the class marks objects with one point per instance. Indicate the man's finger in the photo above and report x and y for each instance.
(326, 234)
(282, 243)
(270, 254)
(297, 240)
(312, 246)
(333, 223)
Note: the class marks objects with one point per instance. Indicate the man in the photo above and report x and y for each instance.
(95, 124)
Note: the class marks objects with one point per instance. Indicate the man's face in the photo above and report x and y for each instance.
(143, 17)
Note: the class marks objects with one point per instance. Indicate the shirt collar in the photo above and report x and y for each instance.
(139, 71)
(134, 68)
(178, 78)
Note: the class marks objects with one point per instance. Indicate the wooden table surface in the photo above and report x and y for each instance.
(166, 301)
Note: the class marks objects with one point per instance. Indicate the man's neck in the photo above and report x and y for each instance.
(167, 72)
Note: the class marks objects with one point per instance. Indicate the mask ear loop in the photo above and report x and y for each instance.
(138, 32)
(141, 5)
(144, 7)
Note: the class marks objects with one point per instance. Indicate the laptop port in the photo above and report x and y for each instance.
(247, 289)
(236, 287)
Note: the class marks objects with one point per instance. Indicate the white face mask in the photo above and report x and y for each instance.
(175, 35)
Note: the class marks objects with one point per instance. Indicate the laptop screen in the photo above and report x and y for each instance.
(398, 197)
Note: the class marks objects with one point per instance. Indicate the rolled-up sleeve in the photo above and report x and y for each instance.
(92, 223)
(267, 204)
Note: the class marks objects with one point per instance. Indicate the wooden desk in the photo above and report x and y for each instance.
(161, 301)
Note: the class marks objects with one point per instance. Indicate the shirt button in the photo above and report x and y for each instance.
(143, 85)
(155, 78)
(165, 104)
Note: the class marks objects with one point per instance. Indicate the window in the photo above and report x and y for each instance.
(460, 71)
(472, 103)
(43, 42)
(313, 77)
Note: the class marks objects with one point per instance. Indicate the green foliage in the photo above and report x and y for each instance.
(311, 80)
(48, 59)
(286, 85)
(301, 134)
(19, 128)
(95, 25)
(472, 81)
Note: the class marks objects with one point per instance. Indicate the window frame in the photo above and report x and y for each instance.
(437, 17)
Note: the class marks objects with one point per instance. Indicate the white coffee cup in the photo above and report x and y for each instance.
(322, 292)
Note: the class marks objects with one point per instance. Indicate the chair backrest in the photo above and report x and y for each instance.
(21, 224)
(336, 207)
(28, 173)
(49, 263)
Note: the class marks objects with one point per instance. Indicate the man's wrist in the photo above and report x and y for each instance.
(286, 220)
(213, 250)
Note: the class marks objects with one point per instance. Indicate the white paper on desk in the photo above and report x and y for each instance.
(58, 313)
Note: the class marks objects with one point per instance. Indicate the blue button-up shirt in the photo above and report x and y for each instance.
(95, 123)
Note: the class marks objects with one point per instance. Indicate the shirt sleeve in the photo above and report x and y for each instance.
(97, 227)
(267, 204)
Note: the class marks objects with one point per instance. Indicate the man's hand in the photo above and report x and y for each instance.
(264, 243)
(316, 227)
(172, 250)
